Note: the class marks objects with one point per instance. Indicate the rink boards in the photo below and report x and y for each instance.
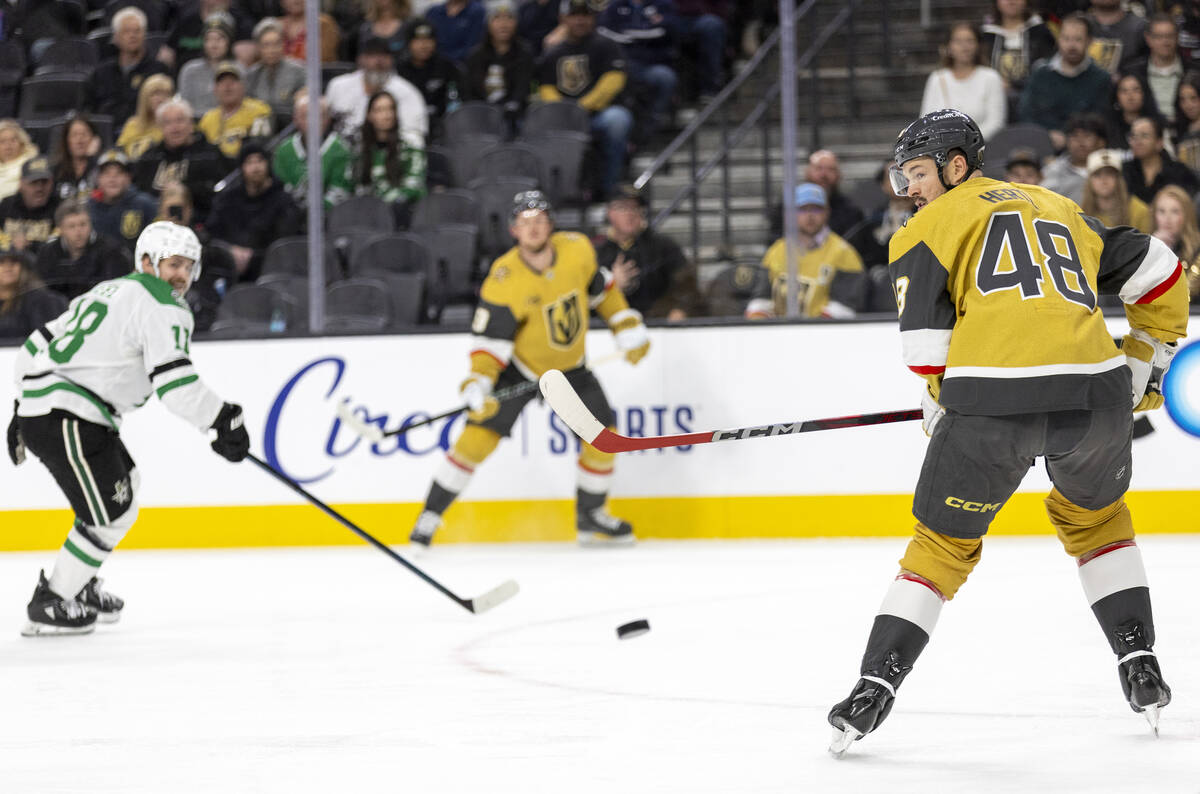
(854, 482)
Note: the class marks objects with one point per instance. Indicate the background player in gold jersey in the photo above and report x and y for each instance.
(533, 316)
(996, 287)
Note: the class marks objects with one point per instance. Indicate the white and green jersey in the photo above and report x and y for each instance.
(116, 344)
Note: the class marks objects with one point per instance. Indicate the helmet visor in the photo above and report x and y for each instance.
(899, 181)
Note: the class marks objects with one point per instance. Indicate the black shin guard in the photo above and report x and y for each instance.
(439, 499)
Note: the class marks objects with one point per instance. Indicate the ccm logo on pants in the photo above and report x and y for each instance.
(972, 507)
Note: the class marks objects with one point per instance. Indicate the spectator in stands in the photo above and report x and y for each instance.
(387, 20)
(871, 236)
(1175, 225)
(25, 303)
(963, 83)
(236, 116)
(186, 38)
(1065, 175)
(1162, 70)
(703, 30)
(15, 149)
(348, 94)
(1118, 37)
(824, 169)
(1151, 168)
(437, 77)
(1012, 43)
(253, 213)
(829, 271)
(500, 70)
(38, 23)
(387, 166)
(458, 25)
(141, 131)
(197, 75)
(647, 31)
(1187, 121)
(1068, 83)
(293, 27)
(1132, 100)
(113, 88)
(182, 156)
(79, 258)
(537, 19)
(118, 210)
(1187, 18)
(290, 162)
(274, 79)
(75, 156)
(589, 70)
(647, 266)
(218, 272)
(1106, 196)
(27, 216)
(1023, 167)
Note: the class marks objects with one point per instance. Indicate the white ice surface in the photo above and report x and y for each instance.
(335, 670)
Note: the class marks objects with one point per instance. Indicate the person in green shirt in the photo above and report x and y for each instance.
(290, 162)
(387, 166)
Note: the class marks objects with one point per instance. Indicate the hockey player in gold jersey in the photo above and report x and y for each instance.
(997, 289)
(532, 317)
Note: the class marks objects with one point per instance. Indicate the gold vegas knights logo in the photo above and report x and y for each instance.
(564, 320)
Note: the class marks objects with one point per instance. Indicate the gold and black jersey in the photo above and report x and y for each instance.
(998, 287)
(539, 321)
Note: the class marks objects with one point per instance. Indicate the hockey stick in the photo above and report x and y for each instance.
(494, 597)
(374, 433)
(566, 403)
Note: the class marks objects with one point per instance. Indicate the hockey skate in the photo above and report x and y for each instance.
(868, 705)
(49, 613)
(1141, 678)
(597, 527)
(422, 532)
(106, 605)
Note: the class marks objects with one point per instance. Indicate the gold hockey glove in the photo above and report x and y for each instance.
(477, 394)
(1148, 360)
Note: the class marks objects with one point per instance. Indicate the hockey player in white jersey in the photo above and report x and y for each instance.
(115, 346)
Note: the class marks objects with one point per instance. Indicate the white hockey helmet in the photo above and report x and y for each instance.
(163, 239)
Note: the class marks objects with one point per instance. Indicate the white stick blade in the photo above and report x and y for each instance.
(494, 597)
(566, 403)
(368, 431)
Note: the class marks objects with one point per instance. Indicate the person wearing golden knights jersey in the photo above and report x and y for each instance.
(533, 317)
(996, 287)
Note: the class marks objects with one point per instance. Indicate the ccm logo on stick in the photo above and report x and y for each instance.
(972, 507)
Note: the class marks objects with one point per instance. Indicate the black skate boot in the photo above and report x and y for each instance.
(868, 705)
(51, 614)
(106, 605)
(422, 532)
(1141, 678)
(597, 527)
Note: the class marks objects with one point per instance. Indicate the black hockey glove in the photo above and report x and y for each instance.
(16, 445)
(232, 441)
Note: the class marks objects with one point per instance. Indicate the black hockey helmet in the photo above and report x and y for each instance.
(528, 200)
(935, 135)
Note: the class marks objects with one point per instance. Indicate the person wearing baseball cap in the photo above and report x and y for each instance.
(435, 75)
(197, 75)
(347, 94)
(27, 216)
(236, 115)
(118, 210)
(1023, 166)
(828, 270)
(1106, 196)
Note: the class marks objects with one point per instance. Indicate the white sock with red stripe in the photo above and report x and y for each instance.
(1111, 569)
(915, 599)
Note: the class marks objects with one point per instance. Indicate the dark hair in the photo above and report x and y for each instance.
(62, 154)
(28, 281)
(946, 61)
(1162, 18)
(1088, 122)
(998, 17)
(1149, 106)
(1190, 78)
(1155, 121)
(389, 142)
(1081, 18)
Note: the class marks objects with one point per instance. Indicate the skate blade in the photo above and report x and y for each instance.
(600, 540)
(1151, 714)
(108, 617)
(842, 739)
(33, 629)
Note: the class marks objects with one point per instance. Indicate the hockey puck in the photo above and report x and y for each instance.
(634, 628)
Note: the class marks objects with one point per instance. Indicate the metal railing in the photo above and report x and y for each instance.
(718, 110)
